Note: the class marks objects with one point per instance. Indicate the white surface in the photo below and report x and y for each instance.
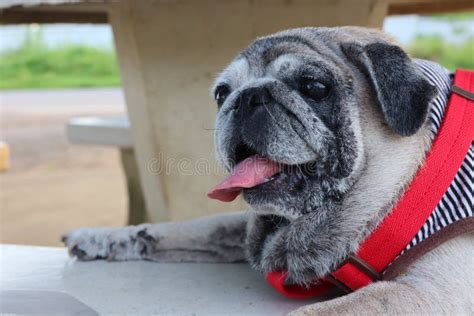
(112, 131)
(28, 302)
(142, 287)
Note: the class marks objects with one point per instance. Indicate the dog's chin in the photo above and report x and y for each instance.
(276, 195)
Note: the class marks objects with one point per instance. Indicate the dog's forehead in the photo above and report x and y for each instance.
(235, 74)
(273, 52)
(253, 62)
(242, 70)
(264, 57)
(267, 49)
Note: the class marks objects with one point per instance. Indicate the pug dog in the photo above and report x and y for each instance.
(321, 130)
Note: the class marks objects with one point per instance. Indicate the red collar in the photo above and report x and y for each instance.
(425, 191)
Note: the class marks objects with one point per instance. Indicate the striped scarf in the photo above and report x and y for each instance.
(458, 201)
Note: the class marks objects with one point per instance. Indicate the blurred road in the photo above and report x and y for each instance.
(64, 101)
(54, 186)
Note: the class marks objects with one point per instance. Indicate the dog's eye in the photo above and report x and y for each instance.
(221, 93)
(314, 89)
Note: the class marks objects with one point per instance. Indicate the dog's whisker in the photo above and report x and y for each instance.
(269, 113)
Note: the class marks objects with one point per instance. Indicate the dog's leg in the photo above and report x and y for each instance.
(439, 283)
(219, 238)
(382, 298)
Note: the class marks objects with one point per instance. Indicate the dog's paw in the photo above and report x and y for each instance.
(90, 243)
(129, 243)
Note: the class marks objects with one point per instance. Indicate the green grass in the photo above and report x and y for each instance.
(34, 66)
(454, 17)
(450, 55)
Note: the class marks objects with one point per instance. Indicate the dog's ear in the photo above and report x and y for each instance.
(402, 92)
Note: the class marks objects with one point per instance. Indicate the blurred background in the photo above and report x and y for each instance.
(54, 72)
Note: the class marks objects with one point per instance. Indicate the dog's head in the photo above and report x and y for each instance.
(310, 99)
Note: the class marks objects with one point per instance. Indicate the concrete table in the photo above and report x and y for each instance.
(169, 51)
(47, 281)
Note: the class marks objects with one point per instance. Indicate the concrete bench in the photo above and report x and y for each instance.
(113, 131)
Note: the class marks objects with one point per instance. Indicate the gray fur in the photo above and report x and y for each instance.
(350, 158)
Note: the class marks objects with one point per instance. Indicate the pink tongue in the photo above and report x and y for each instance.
(248, 173)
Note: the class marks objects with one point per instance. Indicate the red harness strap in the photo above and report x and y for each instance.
(390, 238)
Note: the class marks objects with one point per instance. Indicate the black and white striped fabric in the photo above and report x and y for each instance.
(457, 203)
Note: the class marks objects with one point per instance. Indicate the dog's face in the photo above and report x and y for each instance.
(308, 99)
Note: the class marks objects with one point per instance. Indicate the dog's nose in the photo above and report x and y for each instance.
(253, 97)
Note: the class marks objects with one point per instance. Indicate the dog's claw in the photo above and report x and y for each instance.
(143, 234)
(78, 252)
(111, 256)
